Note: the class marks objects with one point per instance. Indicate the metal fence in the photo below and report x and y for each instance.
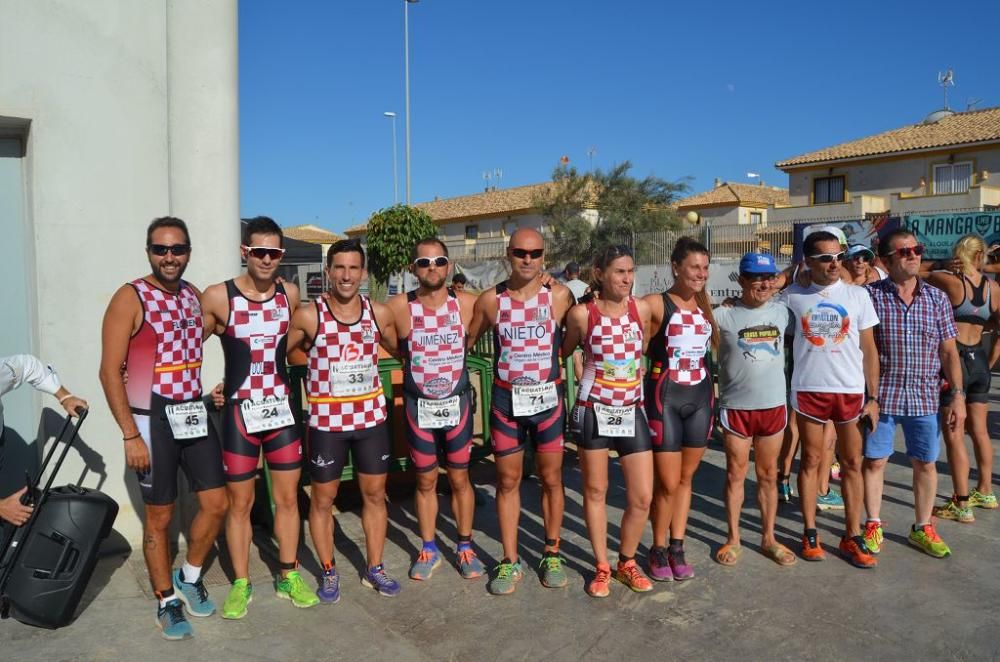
(724, 241)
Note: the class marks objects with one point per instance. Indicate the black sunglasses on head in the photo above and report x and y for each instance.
(521, 253)
(437, 261)
(177, 249)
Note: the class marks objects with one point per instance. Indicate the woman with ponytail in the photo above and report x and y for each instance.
(679, 401)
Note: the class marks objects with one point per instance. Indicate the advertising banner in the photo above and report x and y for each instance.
(939, 232)
(865, 231)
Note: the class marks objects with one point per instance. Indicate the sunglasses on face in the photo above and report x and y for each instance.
(827, 258)
(909, 251)
(260, 252)
(177, 249)
(759, 278)
(521, 253)
(437, 261)
(861, 258)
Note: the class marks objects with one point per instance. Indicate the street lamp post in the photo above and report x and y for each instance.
(406, 66)
(395, 169)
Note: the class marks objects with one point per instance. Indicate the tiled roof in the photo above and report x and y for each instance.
(958, 129)
(737, 194)
(312, 234)
(488, 203)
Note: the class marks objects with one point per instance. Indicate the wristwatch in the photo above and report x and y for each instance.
(957, 391)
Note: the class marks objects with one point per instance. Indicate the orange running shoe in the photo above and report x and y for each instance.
(811, 550)
(628, 573)
(598, 586)
(856, 552)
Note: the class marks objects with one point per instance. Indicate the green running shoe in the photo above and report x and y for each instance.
(553, 574)
(978, 499)
(874, 535)
(240, 596)
(927, 539)
(951, 510)
(508, 574)
(294, 588)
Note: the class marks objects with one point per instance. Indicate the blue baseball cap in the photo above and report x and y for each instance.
(758, 263)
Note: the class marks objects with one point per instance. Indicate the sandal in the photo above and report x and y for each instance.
(728, 554)
(780, 554)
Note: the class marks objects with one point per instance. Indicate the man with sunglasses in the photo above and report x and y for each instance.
(430, 324)
(527, 399)
(916, 339)
(342, 331)
(251, 315)
(835, 359)
(153, 327)
(753, 398)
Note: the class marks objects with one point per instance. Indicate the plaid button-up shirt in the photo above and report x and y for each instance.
(909, 338)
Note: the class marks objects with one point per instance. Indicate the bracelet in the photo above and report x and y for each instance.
(135, 436)
(65, 398)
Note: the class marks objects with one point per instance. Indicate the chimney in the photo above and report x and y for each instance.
(718, 182)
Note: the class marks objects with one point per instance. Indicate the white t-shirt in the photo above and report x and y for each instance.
(827, 344)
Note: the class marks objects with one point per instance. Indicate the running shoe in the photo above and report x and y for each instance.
(979, 499)
(811, 549)
(172, 622)
(631, 575)
(873, 536)
(329, 586)
(240, 596)
(553, 574)
(425, 565)
(854, 550)
(599, 585)
(950, 510)
(927, 539)
(830, 501)
(784, 492)
(659, 565)
(294, 588)
(469, 565)
(505, 578)
(835, 471)
(679, 567)
(194, 596)
(378, 579)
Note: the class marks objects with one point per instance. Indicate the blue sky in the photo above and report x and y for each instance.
(698, 90)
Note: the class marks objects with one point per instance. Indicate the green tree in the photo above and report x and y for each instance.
(625, 207)
(392, 233)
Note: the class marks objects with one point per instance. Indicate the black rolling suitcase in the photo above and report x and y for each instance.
(46, 564)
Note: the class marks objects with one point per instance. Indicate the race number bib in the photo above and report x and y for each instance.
(267, 414)
(437, 414)
(532, 398)
(188, 420)
(351, 378)
(615, 421)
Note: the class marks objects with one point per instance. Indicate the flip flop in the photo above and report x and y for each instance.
(728, 554)
(780, 554)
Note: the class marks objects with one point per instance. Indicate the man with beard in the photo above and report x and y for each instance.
(153, 327)
(527, 399)
(430, 324)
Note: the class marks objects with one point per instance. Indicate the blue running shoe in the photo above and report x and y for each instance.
(194, 596)
(329, 586)
(830, 501)
(425, 565)
(378, 579)
(171, 621)
(469, 565)
(784, 492)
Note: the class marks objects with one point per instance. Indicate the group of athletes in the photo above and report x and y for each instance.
(865, 359)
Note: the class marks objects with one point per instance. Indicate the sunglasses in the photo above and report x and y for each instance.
(862, 258)
(827, 258)
(260, 252)
(437, 261)
(177, 249)
(909, 251)
(521, 253)
(759, 278)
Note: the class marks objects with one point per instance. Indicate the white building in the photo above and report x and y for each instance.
(112, 112)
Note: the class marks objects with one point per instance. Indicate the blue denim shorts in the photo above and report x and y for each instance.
(922, 435)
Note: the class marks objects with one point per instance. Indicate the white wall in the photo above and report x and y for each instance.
(133, 110)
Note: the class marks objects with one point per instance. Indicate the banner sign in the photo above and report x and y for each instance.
(723, 278)
(939, 233)
(865, 231)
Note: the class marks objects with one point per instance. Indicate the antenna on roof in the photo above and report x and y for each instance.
(498, 173)
(487, 175)
(971, 104)
(590, 154)
(946, 80)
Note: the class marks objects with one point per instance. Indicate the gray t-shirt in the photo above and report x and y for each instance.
(752, 355)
